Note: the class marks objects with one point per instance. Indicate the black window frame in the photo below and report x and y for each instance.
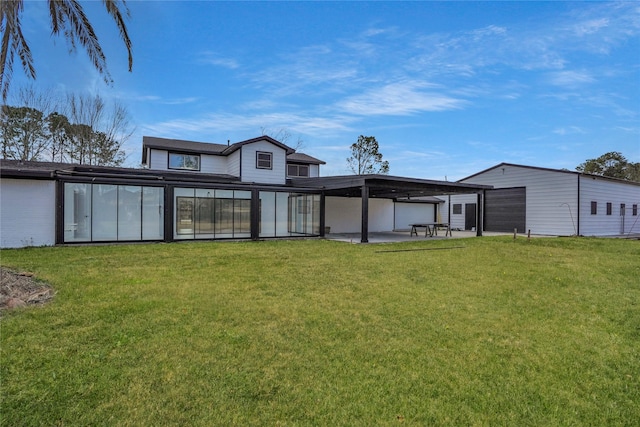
(609, 208)
(177, 153)
(594, 208)
(634, 210)
(456, 209)
(258, 160)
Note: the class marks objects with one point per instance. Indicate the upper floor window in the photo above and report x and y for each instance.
(264, 160)
(184, 161)
(298, 170)
(594, 208)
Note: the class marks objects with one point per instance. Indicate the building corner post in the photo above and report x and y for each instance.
(255, 214)
(364, 232)
(322, 215)
(479, 216)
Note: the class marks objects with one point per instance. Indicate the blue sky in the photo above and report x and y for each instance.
(447, 88)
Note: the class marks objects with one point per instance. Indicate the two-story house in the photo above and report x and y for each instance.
(253, 189)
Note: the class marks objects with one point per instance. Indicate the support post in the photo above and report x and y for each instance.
(364, 232)
(479, 218)
(322, 216)
(255, 214)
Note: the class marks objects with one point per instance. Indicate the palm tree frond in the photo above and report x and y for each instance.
(68, 15)
(114, 10)
(13, 42)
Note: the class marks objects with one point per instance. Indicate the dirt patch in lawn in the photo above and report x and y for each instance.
(20, 289)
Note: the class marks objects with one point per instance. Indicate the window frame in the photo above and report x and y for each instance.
(594, 208)
(297, 168)
(184, 155)
(258, 160)
(609, 208)
(456, 209)
(634, 210)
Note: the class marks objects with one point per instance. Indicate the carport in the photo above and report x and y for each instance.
(388, 187)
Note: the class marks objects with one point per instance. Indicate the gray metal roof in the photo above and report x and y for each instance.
(210, 148)
(386, 186)
(566, 171)
(304, 158)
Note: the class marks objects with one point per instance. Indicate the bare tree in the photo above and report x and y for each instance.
(97, 135)
(283, 135)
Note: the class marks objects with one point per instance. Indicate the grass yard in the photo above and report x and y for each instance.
(492, 332)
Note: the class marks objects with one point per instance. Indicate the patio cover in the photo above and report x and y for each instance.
(388, 187)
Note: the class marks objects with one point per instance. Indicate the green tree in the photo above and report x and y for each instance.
(88, 133)
(366, 158)
(68, 18)
(59, 130)
(23, 133)
(613, 165)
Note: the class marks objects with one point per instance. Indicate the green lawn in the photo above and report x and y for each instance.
(490, 331)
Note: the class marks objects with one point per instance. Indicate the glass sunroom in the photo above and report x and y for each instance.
(112, 212)
(109, 212)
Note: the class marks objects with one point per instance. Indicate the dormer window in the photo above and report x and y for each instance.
(264, 160)
(184, 161)
(297, 170)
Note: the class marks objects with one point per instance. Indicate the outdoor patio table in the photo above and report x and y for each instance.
(431, 229)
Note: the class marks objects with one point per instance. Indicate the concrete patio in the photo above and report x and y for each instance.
(403, 236)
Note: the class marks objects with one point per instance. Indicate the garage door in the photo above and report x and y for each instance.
(505, 209)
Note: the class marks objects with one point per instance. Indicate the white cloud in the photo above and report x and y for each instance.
(569, 130)
(212, 58)
(570, 78)
(226, 124)
(403, 98)
(590, 26)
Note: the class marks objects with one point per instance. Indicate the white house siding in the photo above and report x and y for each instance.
(456, 221)
(158, 160)
(275, 175)
(233, 163)
(413, 213)
(603, 191)
(27, 213)
(551, 196)
(213, 164)
(343, 214)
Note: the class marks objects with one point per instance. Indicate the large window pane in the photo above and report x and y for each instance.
(241, 218)
(267, 214)
(315, 229)
(282, 214)
(205, 212)
(129, 212)
(184, 161)
(105, 212)
(152, 213)
(183, 213)
(77, 212)
(224, 217)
